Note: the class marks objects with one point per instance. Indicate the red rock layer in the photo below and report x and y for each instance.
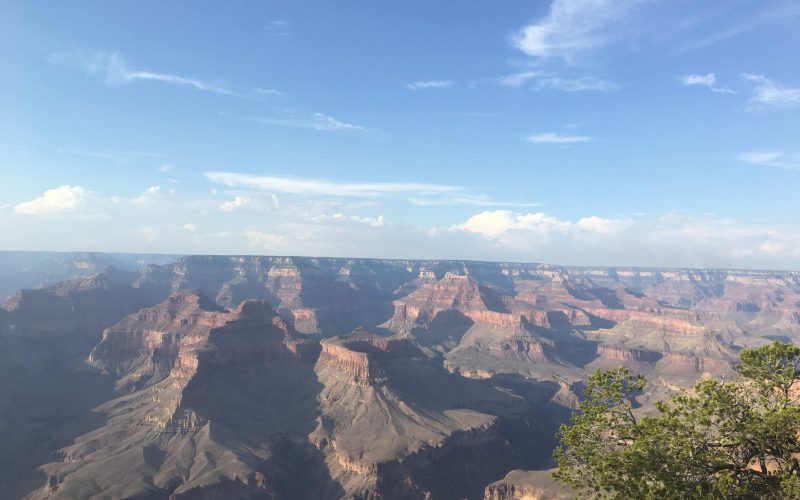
(453, 292)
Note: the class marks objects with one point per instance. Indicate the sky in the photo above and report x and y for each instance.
(577, 132)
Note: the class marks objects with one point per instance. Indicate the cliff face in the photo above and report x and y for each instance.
(198, 387)
(144, 347)
(617, 353)
(390, 420)
(454, 292)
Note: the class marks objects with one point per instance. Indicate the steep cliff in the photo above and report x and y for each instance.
(208, 397)
(390, 420)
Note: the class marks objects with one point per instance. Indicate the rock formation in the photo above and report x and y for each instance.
(196, 413)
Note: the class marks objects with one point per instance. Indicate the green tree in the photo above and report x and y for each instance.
(726, 439)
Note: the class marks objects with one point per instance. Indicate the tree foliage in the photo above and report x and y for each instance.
(725, 439)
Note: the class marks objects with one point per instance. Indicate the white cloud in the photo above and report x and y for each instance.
(778, 159)
(150, 195)
(60, 200)
(430, 84)
(495, 224)
(555, 138)
(540, 80)
(577, 84)
(370, 221)
(268, 92)
(339, 217)
(572, 27)
(768, 93)
(190, 227)
(329, 188)
(671, 240)
(599, 225)
(236, 202)
(708, 80)
(705, 80)
(518, 79)
(316, 121)
(477, 200)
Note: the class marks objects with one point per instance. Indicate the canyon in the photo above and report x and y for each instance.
(299, 377)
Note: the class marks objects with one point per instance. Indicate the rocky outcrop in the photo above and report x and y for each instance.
(359, 355)
(153, 343)
(528, 350)
(482, 304)
(354, 365)
(528, 485)
(617, 353)
(644, 321)
(678, 364)
(388, 414)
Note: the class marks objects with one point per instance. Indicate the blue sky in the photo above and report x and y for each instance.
(594, 132)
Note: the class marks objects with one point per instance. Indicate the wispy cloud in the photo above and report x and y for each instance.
(279, 27)
(541, 80)
(329, 188)
(268, 92)
(777, 159)
(771, 94)
(555, 138)
(315, 121)
(708, 80)
(572, 27)
(420, 194)
(762, 15)
(430, 84)
(518, 79)
(578, 84)
(115, 70)
(477, 201)
(110, 155)
(340, 217)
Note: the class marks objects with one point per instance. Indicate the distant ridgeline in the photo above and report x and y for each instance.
(35, 269)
